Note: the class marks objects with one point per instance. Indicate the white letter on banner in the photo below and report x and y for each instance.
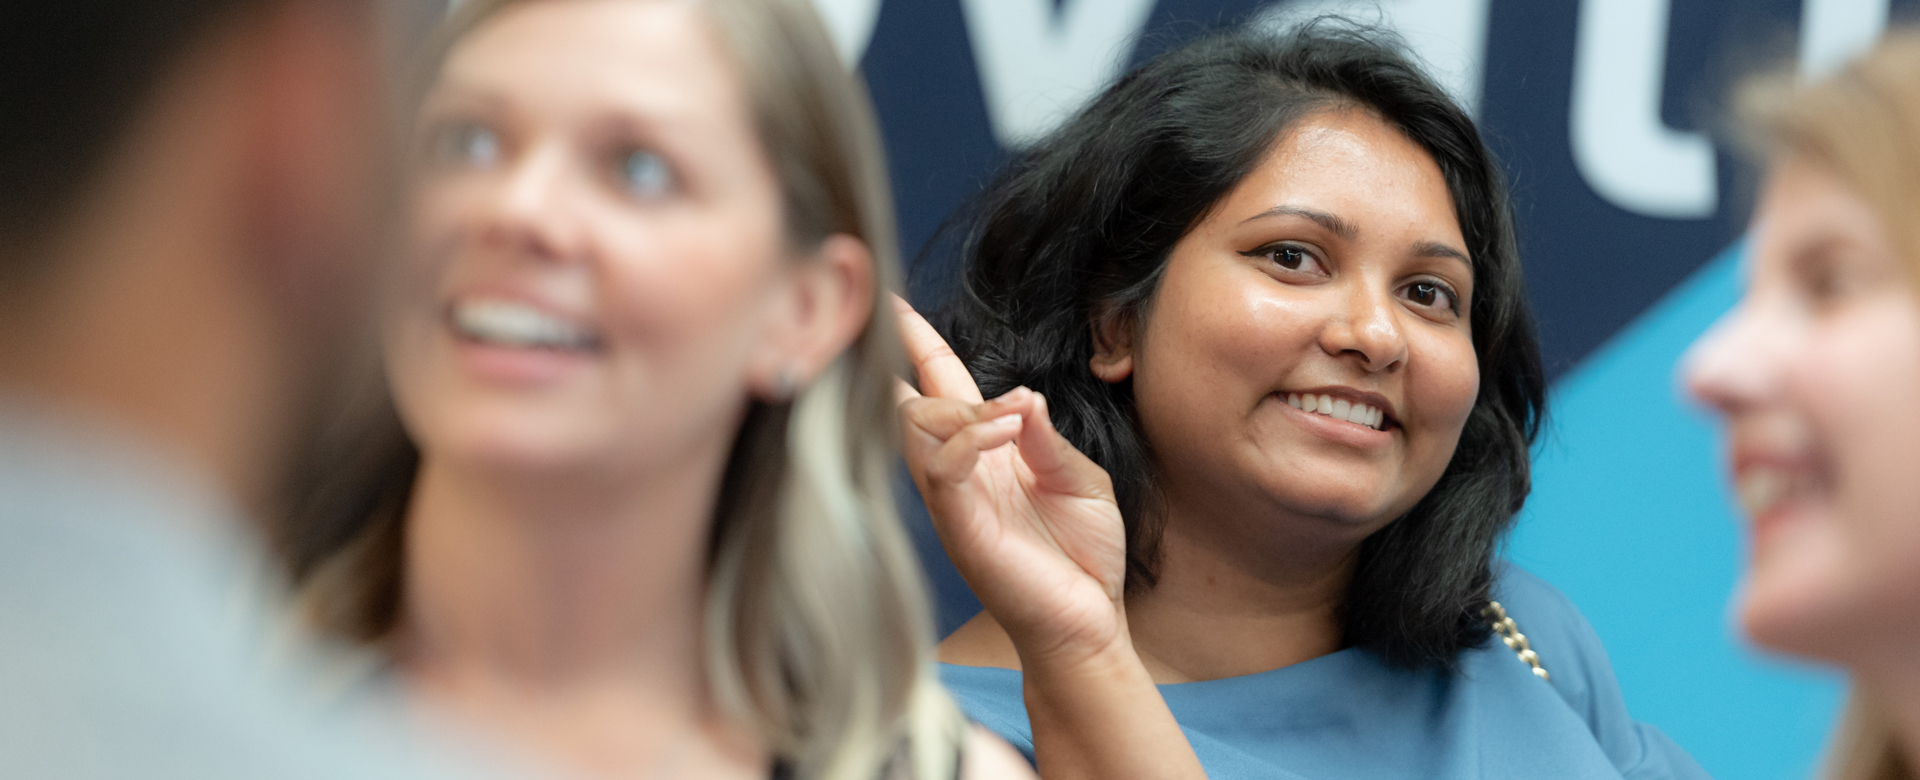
(1620, 145)
(1448, 36)
(851, 23)
(1038, 67)
(1832, 32)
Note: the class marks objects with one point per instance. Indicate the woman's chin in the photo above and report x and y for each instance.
(1799, 611)
(509, 449)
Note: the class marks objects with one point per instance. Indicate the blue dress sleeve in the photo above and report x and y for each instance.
(1579, 671)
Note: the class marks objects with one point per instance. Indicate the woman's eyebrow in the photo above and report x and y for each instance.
(453, 89)
(1332, 222)
(1437, 249)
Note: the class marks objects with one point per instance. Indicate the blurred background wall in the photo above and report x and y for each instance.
(1631, 194)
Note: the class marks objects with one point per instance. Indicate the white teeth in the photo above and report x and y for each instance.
(1760, 489)
(1338, 408)
(518, 325)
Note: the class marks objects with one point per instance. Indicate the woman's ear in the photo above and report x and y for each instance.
(1112, 347)
(827, 302)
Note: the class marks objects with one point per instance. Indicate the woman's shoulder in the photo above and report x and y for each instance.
(1567, 647)
(1571, 653)
(1521, 589)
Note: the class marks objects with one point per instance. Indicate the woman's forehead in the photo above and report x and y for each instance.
(1807, 208)
(1355, 167)
(657, 60)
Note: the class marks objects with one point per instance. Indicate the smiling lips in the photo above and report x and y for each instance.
(1339, 409)
(1764, 487)
(519, 326)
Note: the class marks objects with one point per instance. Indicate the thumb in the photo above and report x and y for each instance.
(1057, 465)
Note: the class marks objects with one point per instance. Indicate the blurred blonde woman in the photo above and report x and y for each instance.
(1817, 373)
(628, 508)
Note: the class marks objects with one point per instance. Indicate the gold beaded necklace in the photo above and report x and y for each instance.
(1504, 627)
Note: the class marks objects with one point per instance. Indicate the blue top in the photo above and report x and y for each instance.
(1350, 715)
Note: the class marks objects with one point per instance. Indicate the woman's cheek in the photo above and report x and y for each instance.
(1861, 385)
(1445, 391)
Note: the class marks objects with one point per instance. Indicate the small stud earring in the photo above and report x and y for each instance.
(783, 384)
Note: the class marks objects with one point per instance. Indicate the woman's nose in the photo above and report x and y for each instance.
(1732, 365)
(1368, 330)
(532, 212)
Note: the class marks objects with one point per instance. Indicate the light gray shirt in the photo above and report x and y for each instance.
(141, 635)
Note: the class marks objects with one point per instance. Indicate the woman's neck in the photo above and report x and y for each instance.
(568, 614)
(1261, 607)
(1893, 687)
(544, 581)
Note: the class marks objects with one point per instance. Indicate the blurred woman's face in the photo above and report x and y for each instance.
(598, 250)
(1308, 352)
(1817, 372)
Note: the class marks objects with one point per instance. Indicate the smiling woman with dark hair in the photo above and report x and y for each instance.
(1264, 382)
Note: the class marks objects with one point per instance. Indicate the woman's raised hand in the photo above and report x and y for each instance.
(1028, 520)
(1032, 524)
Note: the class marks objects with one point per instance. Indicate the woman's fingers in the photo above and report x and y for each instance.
(1056, 464)
(940, 371)
(953, 462)
(941, 418)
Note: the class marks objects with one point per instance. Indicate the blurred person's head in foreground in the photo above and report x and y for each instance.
(187, 197)
(189, 201)
(643, 431)
(1816, 373)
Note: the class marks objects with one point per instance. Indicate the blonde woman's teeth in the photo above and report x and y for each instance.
(1338, 408)
(1761, 489)
(512, 324)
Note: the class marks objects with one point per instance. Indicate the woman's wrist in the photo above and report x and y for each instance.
(1099, 715)
(1073, 647)
(1068, 680)
(1083, 658)
(1071, 675)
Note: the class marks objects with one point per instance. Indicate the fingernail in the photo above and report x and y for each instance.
(1007, 421)
(1017, 394)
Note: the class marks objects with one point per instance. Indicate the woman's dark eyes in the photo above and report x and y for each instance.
(1429, 293)
(1289, 257)
(1433, 295)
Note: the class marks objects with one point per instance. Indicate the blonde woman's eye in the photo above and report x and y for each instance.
(645, 174)
(468, 144)
(1825, 279)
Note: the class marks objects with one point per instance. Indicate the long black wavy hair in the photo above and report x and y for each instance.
(1078, 229)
